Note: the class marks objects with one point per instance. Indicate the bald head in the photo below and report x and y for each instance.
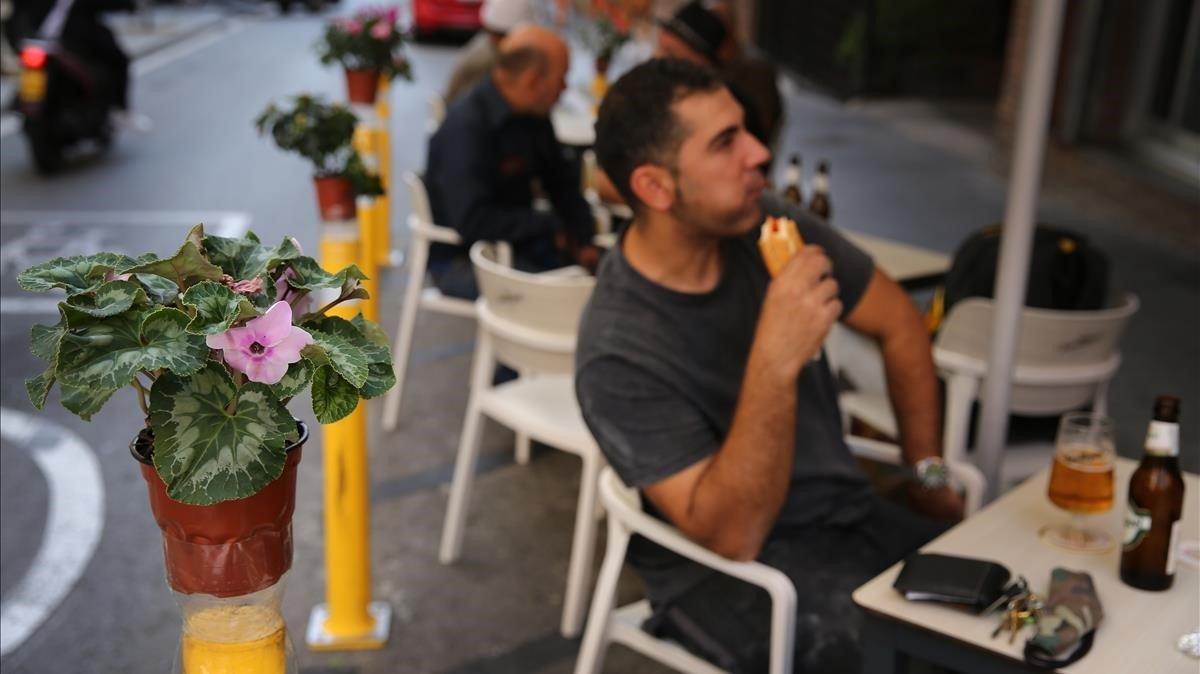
(531, 69)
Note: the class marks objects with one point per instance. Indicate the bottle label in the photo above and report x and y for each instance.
(792, 176)
(820, 184)
(1162, 439)
(1171, 549)
(1137, 525)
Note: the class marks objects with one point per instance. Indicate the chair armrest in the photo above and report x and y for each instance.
(433, 232)
(1058, 375)
(521, 334)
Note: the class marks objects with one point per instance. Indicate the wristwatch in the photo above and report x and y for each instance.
(931, 473)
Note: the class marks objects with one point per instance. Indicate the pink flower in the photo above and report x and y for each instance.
(248, 286)
(114, 276)
(301, 302)
(264, 347)
(381, 31)
(391, 15)
(352, 26)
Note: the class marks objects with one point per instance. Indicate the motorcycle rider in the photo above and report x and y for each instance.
(79, 28)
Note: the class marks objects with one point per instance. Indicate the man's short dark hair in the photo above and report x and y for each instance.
(517, 61)
(636, 125)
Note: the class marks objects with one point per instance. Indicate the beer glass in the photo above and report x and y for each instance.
(1081, 480)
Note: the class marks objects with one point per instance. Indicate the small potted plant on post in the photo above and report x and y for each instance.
(215, 340)
(323, 133)
(368, 46)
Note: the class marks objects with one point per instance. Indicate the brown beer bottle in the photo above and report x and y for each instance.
(1155, 504)
(791, 191)
(820, 204)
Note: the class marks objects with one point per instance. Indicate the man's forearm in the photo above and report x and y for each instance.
(913, 387)
(738, 497)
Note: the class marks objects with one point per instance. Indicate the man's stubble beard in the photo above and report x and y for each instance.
(686, 210)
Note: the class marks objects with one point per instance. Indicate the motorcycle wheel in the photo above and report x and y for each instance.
(45, 147)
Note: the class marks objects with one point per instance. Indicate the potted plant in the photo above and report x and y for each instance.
(215, 340)
(323, 133)
(368, 46)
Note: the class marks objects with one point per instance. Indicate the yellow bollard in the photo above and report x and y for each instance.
(381, 242)
(349, 620)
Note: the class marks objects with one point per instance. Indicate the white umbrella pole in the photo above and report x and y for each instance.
(1017, 239)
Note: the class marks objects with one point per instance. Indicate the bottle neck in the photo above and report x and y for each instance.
(1162, 439)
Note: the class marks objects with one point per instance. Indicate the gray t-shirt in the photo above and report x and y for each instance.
(658, 374)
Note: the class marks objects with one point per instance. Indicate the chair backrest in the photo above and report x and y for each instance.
(422, 223)
(1047, 339)
(532, 319)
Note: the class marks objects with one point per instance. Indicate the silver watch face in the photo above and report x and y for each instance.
(931, 473)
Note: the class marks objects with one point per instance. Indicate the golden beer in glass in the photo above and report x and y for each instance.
(1081, 480)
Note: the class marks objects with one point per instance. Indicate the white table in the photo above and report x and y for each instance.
(574, 119)
(1139, 631)
(910, 266)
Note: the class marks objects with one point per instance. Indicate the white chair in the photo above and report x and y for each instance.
(422, 233)
(529, 322)
(1064, 362)
(624, 625)
(437, 113)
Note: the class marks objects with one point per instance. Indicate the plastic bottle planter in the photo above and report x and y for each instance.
(231, 548)
(361, 86)
(235, 635)
(335, 199)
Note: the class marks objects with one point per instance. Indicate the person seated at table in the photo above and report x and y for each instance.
(497, 18)
(483, 160)
(704, 36)
(704, 384)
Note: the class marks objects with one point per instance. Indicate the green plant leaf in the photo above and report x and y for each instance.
(109, 299)
(295, 380)
(374, 344)
(215, 442)
(73, 274)
(160, 290)
(245, 258)
(332, 396)
(84, 400)
(381, 377)
(39, 387)
(186, 267)
(345, 354)
(217, 308)
(310, 276)
(44, 341)
(371, 330)
(106, 353)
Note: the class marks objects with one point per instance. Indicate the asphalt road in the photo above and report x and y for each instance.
(202, 161)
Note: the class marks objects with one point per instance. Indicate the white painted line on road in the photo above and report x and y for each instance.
(221, 223)
(74, 520)
(29, 305)
(10, 122)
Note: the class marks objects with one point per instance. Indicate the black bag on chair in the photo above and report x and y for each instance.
(1065, 272)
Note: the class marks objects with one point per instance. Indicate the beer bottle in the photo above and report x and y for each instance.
(792, 181)
(820, 204)
(1155, 504)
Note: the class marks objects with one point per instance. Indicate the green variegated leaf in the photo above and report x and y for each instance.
(107, 353)
(297, 378)
(375, 352)
(215, 442)
(332, 396)
(160, 290)
(73, 274)
(39, 387)
(310, 276)
(109, 299)
(185, 268)
(344, 355)
(217, 308)
(44, 341)
(371, 330)
(84, 400)
(380, 379)
(245, 258)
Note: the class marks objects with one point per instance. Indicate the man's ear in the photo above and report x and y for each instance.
(654, 186)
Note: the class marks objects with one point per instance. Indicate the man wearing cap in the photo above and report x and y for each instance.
(498, 17)
(495, 142)
(700, 35)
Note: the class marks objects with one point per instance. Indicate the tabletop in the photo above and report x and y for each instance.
(1140, 629)
(903, 262)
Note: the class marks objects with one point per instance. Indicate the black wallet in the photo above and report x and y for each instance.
(975, 583)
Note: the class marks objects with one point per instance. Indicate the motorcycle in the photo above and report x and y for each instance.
(64, 102)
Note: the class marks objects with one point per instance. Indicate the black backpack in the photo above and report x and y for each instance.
(1065, 272)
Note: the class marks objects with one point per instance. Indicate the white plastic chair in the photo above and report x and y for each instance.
(624, 625)
(1064, 362)
(529, 322)
(422, 233)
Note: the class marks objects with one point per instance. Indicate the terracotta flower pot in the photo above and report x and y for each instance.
(335, 198)
(361, 86)
(230, 548)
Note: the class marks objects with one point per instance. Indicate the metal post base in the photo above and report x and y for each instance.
(319, 640)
